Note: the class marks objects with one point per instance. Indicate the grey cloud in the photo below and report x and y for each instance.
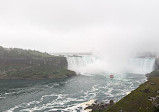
(77, 26)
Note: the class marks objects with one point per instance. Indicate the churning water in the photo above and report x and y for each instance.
(63, 95)
(66, 95)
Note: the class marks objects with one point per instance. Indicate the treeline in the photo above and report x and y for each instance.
(16, 56)
(20, 53)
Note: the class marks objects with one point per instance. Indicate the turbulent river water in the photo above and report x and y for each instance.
(64, 95)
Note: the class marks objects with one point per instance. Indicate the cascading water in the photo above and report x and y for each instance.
(141, 65)
(77, 62)
(133, 65)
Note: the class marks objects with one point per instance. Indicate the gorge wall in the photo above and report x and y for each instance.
(157, 64)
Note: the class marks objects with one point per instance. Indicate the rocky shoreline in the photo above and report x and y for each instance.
(100, 105)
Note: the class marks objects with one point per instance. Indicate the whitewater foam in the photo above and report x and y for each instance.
(100, 87)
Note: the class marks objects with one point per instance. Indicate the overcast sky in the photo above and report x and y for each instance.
(80, 25)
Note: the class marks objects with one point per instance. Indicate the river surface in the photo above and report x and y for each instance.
(64, 95)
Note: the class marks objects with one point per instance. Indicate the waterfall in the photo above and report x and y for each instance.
(89, 64)
(77, 62)
(141, 65)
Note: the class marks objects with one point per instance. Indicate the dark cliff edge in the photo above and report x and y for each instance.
(157, 64)
(17, 63)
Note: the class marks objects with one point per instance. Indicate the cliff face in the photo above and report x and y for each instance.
(28, 64)
(157, 64)
(54, 62)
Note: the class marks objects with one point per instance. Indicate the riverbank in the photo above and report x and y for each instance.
(143, 99)
(30, 74)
